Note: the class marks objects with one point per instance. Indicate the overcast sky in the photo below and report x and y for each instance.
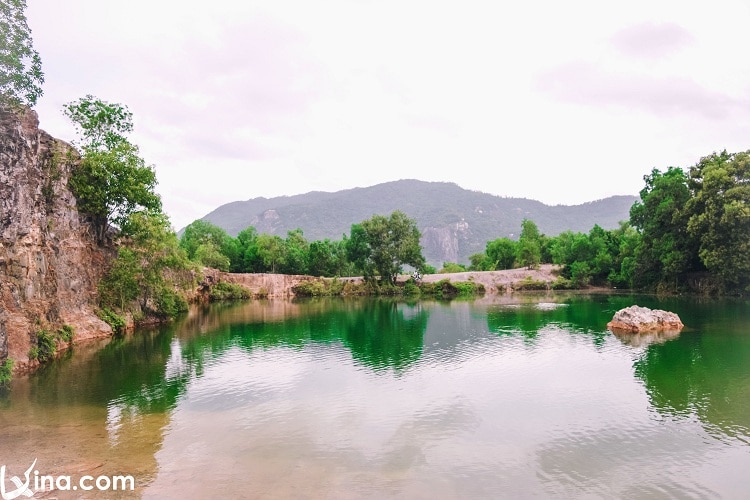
(563, 102)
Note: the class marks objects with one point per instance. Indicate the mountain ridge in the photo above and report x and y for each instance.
(455, 222)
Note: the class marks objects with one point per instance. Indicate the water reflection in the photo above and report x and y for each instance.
(521, 396)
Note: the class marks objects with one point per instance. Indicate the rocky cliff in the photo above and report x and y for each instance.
(49, 262)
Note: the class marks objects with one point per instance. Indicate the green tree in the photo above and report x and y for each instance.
(719, 217)
(113, 181)
(209, 245)
(326, 258)
(249, 260)
(479, 262)
(529, 250)
(501, 253)
(21, 76)
(296, 249)
(271, 251)
(666, 249)
(383, 245)
(148, 265)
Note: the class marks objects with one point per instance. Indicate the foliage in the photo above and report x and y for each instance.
(44, 347)
(271, 251)
(452, 267)
(666, 250)
(6, 372)
(383, 245)
(209, 245)
(149, 263)
(101, 125)
(209, 255)
(529, 283)
(320, 287)
(445, 289)
(501, 254)
(719, 217)
(21, 76)
(529, 250)
(66, 333)
(114, 320)
(228, 291)
(113, 181)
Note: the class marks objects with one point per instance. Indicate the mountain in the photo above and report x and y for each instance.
(455, 222)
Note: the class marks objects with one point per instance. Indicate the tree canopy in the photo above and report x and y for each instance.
(383, 245)
(112, 181)
(21, 76)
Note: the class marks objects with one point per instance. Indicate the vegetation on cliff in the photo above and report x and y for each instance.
(115, 189)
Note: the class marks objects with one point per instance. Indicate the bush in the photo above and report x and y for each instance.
(562, 284)
(169, 303)
(6, 372)
(444, 289)
(45, 346)
(452, 267)
(529, 283)
(113, 319)
(228, 291)
(66, 333)
(320, 287)
(411, 288)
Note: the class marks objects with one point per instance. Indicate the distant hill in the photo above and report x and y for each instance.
(455, 222)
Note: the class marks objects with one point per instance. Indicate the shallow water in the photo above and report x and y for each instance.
(495, 398)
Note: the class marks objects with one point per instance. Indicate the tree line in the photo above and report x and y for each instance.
(690, 231)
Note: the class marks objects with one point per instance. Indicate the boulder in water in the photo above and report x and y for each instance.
(636, 319)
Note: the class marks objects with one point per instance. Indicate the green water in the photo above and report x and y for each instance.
(503, 397)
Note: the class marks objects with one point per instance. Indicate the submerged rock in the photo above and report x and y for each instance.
(636, 319)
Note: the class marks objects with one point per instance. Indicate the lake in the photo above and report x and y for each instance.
(500, 397)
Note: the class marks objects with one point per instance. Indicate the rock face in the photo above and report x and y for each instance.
(49, 262)
(636, 319)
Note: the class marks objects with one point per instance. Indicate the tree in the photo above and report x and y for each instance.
(501, 253)
(21, 76)
(148, 264)
(326, 258)
(296, 249)
(271, 251)
(201, 232)
(383, 245)
(666, 250)
(719, 216)
(113, 181)
(529, 245)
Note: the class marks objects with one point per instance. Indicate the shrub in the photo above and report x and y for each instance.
(452, 267)
(562, 284)
(169, 303)
(411, 288)
(113, 319)
(66, 333)
(445, 289)
(6, 372)
(228, 291)
(45, 346)
(529, 283)
(262, 293)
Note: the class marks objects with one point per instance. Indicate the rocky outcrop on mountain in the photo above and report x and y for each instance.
(49, 262)
(636, 319)
(455, 222)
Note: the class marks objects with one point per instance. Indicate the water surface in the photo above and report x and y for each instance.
(496, 398)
